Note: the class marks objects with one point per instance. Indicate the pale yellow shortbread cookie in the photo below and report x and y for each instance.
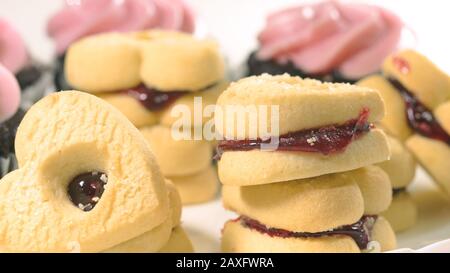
(177, 157)
(302, 103)
(64, 135)
(401, 167)
(155, 239)
(434, 156)
(167, 61)
(180, 62)
(199, 187)
(239, 239)
(423, 78)
(179, 242)
(442, 113)
(131, 108)
(375, 187)
(308, 205)
(403, 212)
(257, 167)
(395, 121)
(183, 108)
(103, 63)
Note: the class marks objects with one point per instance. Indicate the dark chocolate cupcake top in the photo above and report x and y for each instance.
(8, 130)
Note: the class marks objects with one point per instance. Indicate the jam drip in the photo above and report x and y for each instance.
(326, 140)
(420, 118)
(153, 99)
(86, 189)
(359, 231)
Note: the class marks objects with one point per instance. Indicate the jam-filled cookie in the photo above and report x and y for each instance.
(85, 174)
(314, 189)
(401, 168)
(247, 235)
(434, 153)
(177, 157)
(323, 128)
(170, 78)
(402, 213)
(327, 204)
(199, 187)
(179, 242)
(416, 92)
(157, 238)
(155, 69)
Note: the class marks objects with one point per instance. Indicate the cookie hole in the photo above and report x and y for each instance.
(75, 176)
(85, 190)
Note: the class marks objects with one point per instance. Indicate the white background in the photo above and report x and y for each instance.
(235, 23)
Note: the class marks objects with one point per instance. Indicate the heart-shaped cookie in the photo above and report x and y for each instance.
(86, 178)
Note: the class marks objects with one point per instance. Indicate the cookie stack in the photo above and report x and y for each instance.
(401, 168)
(162, 81)
(86, 182)
(417, 96)
(316, 191)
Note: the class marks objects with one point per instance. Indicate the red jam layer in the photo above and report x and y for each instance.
(359, 231)
(154, 99)
(420, 118)
(325, 140)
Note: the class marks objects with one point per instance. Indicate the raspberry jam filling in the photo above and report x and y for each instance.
(420, 118)
(86, 189)
(325, 140)
(156, 100)
(153, 99)
(360, 231)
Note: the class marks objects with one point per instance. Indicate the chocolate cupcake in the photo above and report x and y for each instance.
(66, 26)
(10, 118)
(329, 41)
(8, 130)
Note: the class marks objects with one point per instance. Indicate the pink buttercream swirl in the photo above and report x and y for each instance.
(13, 52)
(87, 17)
(321, 37)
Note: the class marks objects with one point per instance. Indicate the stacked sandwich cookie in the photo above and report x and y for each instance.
(401, 168)
(157, 79)
(316, 191)
(86, 182)
(417, 95)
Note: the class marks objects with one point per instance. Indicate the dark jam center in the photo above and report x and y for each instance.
(86, 189)
(153, 99)
(325, 140)
(359, 231)
(420, 118)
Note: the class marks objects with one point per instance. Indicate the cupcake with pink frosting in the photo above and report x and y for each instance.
(330, 41)
(33, 78)
(10, 117)
(83, 18)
